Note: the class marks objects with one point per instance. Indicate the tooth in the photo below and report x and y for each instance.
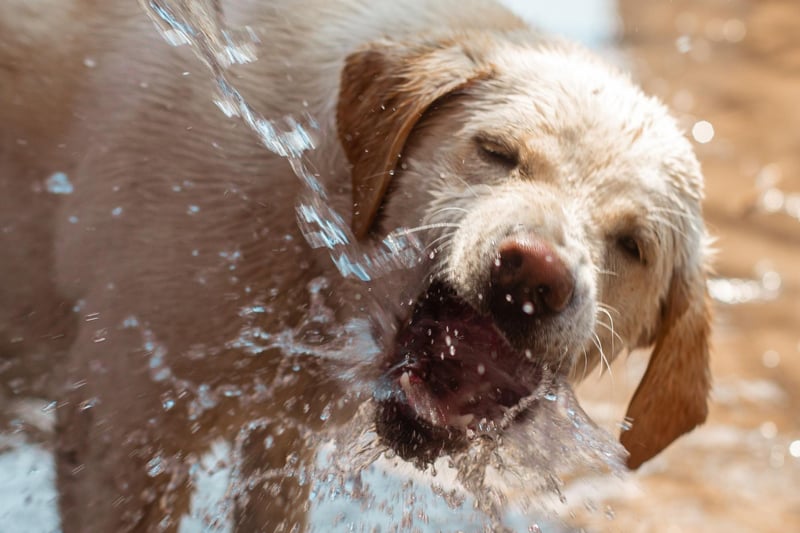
(405, 381)
(461, 420)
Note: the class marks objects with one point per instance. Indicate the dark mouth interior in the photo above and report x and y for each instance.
(451, 371)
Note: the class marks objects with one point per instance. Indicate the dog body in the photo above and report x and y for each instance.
(553, 191)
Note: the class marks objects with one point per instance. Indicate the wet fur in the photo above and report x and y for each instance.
(132, 129)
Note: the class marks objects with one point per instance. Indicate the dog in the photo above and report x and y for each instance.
(148, 241)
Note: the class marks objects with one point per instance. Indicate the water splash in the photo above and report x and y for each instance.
(506, 468)
(200, 23)
(528, 457)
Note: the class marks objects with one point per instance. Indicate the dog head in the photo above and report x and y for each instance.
(561, 210)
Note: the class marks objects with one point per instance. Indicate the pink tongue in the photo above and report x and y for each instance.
(421, 400)
(423, 403)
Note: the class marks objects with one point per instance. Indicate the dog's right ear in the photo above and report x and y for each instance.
(385, 89)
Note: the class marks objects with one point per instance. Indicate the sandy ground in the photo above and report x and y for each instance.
(735, 65)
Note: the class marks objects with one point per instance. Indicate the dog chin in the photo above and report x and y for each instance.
(451, 374)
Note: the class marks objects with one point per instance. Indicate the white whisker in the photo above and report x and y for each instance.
(450, 208)
(608, 308)
(438, 225)
(603, 358)
(438, 239)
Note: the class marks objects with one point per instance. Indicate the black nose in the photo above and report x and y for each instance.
(528, 279)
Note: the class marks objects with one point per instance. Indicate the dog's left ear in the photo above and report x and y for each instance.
(672, 397)
(385, 89)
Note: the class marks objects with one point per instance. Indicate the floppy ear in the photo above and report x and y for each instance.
(384, 91)
(672, 397)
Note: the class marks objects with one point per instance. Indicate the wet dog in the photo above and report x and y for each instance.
(152, 258)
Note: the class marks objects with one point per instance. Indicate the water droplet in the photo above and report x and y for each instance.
(794, 449)
(89, 62)
(326, 413)
(768, 430)
(771, 359)
(155, 466)
(58, 183)
(229, 391)
(772, 200)
(162, 374)
(101, 335)
(734, 30)
(205, 397)
(193, 209)
(683, 44)
(703, 131)
(771, 281)
(88, 404)
(527, 308)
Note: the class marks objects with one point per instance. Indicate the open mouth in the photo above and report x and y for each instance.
(451, 371)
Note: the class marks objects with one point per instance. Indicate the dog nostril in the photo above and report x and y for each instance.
(557, 298)
(529, 277)
(509, 260)
(506, 270)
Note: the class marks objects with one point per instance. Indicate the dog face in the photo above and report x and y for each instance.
(563, 224)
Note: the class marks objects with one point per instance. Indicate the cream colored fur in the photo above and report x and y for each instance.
(136, 261)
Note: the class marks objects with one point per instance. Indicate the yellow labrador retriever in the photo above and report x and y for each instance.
(151, 258)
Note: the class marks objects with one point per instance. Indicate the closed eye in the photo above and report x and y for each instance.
(497, 153)
(631, 247)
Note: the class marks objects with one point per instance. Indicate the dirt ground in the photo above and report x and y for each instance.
(734, 64)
